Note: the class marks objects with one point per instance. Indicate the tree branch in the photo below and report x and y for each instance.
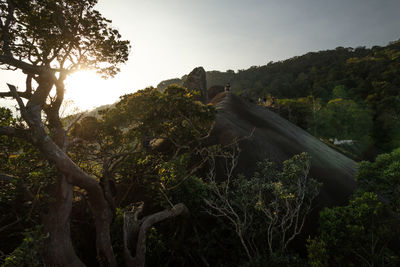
(146, 223)
(14, 93)
(29, 68)
(26, 67)
(15, 132)
(20, 94)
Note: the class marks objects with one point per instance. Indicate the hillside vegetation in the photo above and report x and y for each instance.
(362, 82)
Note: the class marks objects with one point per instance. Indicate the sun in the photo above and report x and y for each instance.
(88, 90)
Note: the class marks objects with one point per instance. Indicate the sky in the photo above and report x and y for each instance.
(171, 37)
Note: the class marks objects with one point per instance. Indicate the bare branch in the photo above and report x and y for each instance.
(28, 91)
(222, 205)
(13, 91)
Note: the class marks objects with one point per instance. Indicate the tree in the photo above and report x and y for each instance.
(144, 145)
(364, 232)
(112, 148)
(359, 234)
(48, 40)
(234, 198)
(267, 210)
(344, 119)
(301, 111)
(382, 176)
(285, 199)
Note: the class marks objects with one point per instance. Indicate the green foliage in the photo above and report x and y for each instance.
(317, 253)
(387, 121)
(22, 195)
(340, 119)
(340, 91)
(29, 252)
(190, 191)
(358, 234)
(172, 124)
(344, 119)
(173, 115)
(383, 177)
(8, 143)
(47, 33)
(152, 139)
(301, 111)
(365, 232)
(6, 118)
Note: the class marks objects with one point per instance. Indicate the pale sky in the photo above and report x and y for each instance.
(171, 37)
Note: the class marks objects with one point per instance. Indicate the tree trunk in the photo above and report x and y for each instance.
(58, 225)
(59, 250)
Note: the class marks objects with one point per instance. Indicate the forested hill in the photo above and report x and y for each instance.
(367, 78)
(359, 69)
(363, 72)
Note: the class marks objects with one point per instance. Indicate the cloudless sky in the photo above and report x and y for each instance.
(171, 37)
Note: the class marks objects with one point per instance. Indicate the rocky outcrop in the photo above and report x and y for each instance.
(196, 81)
(278, 139)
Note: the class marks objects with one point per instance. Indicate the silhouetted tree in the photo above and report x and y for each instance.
(48, 40)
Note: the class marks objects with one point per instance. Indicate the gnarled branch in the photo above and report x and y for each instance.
(141, 227)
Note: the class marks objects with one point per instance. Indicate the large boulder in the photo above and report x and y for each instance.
(278, 139)
(196, 81)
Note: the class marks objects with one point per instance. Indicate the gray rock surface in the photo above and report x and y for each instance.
(196, 81)
(278, 139)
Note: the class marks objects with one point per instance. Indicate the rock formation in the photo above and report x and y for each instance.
(278, 139)
(196, 81)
